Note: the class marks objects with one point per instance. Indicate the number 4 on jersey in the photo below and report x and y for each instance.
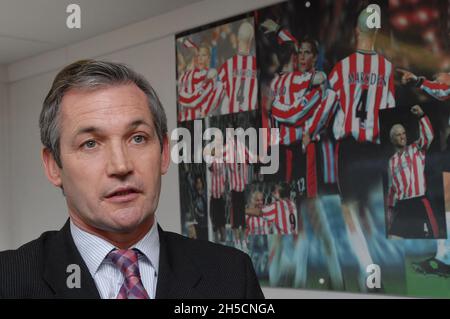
(240, 98)
(361, 109)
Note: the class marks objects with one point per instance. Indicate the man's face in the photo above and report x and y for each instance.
(111, 158)
(203, 58)
(276, 192)
(259, 200)
(306, 57)
(399, 136)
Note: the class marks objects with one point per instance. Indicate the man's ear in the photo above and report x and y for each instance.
(165, 155)
(52, 170)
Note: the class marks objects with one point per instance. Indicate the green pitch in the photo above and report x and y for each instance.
(425, 285)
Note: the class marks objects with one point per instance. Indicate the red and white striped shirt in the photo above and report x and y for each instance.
(407, 168)
(236, 157)
(188, 43)
(322, 114)
(217, 178)
(364, 83)
(437, 90)
(283, 90)
(197, 95)
(285, 36)
(287, 87)
(237, 176)
(238, 76)
(281, 216)
(297, 107)
(256, 225)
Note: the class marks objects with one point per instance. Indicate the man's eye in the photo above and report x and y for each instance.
(139, 139)
(90, 144)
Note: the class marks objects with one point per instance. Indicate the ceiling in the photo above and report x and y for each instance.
(30, 27)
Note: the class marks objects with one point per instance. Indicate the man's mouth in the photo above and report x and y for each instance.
(123, 194)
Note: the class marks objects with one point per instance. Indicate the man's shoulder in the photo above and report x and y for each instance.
(28, 255)
(30, 250)
(21, 269)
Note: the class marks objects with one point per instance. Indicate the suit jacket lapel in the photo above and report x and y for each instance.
(177, 276)
(59, 253)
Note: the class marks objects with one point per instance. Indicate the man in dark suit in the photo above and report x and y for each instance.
(105, 141)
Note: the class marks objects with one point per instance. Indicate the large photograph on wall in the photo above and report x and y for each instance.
(352, 101)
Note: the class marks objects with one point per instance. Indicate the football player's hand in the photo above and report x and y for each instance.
(443, 78)
(269, 26)
(253, 211)
(212, 74)
(407, 77)
(319, 78)
(417, 111)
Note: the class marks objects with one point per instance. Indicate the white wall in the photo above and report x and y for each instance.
(36, 206)
(5, 235)
(147, 46)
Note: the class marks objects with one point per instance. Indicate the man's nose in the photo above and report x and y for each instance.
(119, 161)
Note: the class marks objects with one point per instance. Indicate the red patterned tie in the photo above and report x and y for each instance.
(127, 261)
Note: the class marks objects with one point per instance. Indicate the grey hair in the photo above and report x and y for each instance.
(393, 128)
(92, 74)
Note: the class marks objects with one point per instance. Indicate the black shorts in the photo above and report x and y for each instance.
(299, 166)
(217, 211)
(359, 168)
(238, 208)
(414, 218)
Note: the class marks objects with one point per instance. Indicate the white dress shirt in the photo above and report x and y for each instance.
(108, 278)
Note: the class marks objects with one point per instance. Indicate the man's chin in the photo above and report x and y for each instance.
(127, 226)
(126, 220)
(124, 226)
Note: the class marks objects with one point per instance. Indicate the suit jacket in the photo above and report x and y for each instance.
(187, 269)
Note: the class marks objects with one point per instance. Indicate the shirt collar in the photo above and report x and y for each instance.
(149, 246)
(94, 249)
(370, 52)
